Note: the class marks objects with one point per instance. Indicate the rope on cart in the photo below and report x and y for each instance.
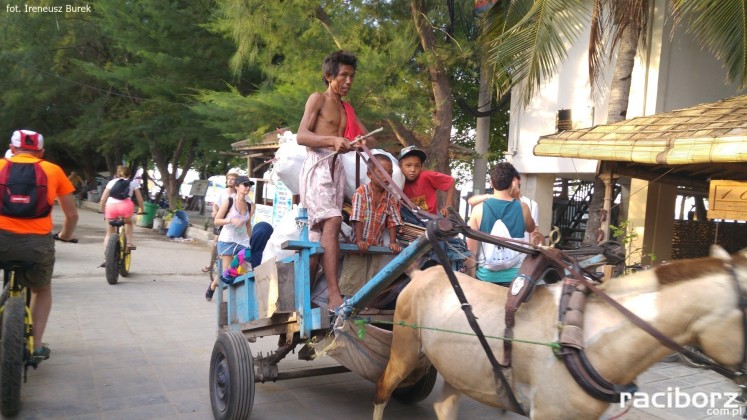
(362, 333)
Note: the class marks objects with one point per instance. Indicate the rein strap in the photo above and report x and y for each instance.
(505, 392)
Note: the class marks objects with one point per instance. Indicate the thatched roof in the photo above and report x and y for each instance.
(269, 141)
(683, 147)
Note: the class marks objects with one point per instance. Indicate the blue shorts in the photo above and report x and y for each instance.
(229, 248)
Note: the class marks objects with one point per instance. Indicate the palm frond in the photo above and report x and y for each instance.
(526, 50)
(719, 26)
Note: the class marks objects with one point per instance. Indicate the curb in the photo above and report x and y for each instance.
(197, 233)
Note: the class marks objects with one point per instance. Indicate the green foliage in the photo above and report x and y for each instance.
(174, 83)
(393, 83)
(721, 28)
(625, 234)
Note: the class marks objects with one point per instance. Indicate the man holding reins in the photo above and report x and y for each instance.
(327, 128)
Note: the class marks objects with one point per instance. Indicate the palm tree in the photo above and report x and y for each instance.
(524, 41)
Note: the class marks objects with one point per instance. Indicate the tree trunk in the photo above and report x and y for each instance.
(616, 111)
(170, 181)
(404, 135)
(438, 149)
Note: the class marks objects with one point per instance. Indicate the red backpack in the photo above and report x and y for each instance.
(23, 191)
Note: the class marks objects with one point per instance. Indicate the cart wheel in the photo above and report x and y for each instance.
(11, 356)
(418, 391)
(231, 377)
(112, 259)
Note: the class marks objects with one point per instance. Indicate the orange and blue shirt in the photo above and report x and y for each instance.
(375, 216)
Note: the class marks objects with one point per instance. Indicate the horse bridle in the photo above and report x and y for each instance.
(738, 376)
(438, 229)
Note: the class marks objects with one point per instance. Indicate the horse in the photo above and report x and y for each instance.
(691, 301)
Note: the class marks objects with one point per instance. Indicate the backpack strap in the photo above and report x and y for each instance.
(492, 211)
(487, 204)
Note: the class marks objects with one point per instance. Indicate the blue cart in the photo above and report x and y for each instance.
(243, 316)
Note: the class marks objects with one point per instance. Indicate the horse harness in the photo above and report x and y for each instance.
(579, 283)
(576, 287)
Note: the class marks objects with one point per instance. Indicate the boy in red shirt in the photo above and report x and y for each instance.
(421, 185)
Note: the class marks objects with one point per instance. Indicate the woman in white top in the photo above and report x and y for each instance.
(121, 207)
(237, 228)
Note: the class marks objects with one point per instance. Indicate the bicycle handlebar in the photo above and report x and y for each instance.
(56, 237)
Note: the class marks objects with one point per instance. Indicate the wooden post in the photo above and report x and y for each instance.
(607, 178)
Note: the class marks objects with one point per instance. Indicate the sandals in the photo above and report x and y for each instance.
(209, 293)
(42, 353)
(206, 269)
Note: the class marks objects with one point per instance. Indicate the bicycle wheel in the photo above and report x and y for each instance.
(112, 259)
(124, 257)
(11, 356)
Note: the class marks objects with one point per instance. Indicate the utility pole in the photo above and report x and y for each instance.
(482, 130)
(482, 135)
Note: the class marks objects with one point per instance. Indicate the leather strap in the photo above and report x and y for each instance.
(503, 388)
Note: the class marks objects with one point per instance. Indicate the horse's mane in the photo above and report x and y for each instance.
(681, 270)
(674, 272)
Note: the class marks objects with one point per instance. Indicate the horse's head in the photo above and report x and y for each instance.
(722, 337)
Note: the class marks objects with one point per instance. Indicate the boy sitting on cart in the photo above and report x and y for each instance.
(374, 210)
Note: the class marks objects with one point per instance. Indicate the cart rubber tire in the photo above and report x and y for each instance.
(11, 356)
(126, 257)
(112, 259)
(419, 390)
(231, 377)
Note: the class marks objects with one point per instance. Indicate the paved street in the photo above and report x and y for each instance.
(141, 349)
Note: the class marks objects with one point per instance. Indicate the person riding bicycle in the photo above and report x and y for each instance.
(28, 236)
(116, 202)
(78, 183)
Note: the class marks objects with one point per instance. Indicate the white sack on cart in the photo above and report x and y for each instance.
(348, 160)
(286, 230)
(290, 156)
(288, 160)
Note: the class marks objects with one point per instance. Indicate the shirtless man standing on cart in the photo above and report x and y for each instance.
(328, 126)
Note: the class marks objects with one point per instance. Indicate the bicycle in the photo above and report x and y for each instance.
(16, 339)
(118, 254)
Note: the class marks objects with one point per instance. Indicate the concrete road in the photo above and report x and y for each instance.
(141, 349)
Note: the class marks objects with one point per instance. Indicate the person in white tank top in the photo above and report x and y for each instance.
(237, 227)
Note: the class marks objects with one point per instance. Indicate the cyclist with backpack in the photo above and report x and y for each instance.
(116, 202)
(29, 186)
(501, 215)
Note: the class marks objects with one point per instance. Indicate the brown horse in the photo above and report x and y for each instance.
(691, 301)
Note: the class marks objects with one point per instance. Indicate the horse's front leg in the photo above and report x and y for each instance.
(402, 360)
(447, 405)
